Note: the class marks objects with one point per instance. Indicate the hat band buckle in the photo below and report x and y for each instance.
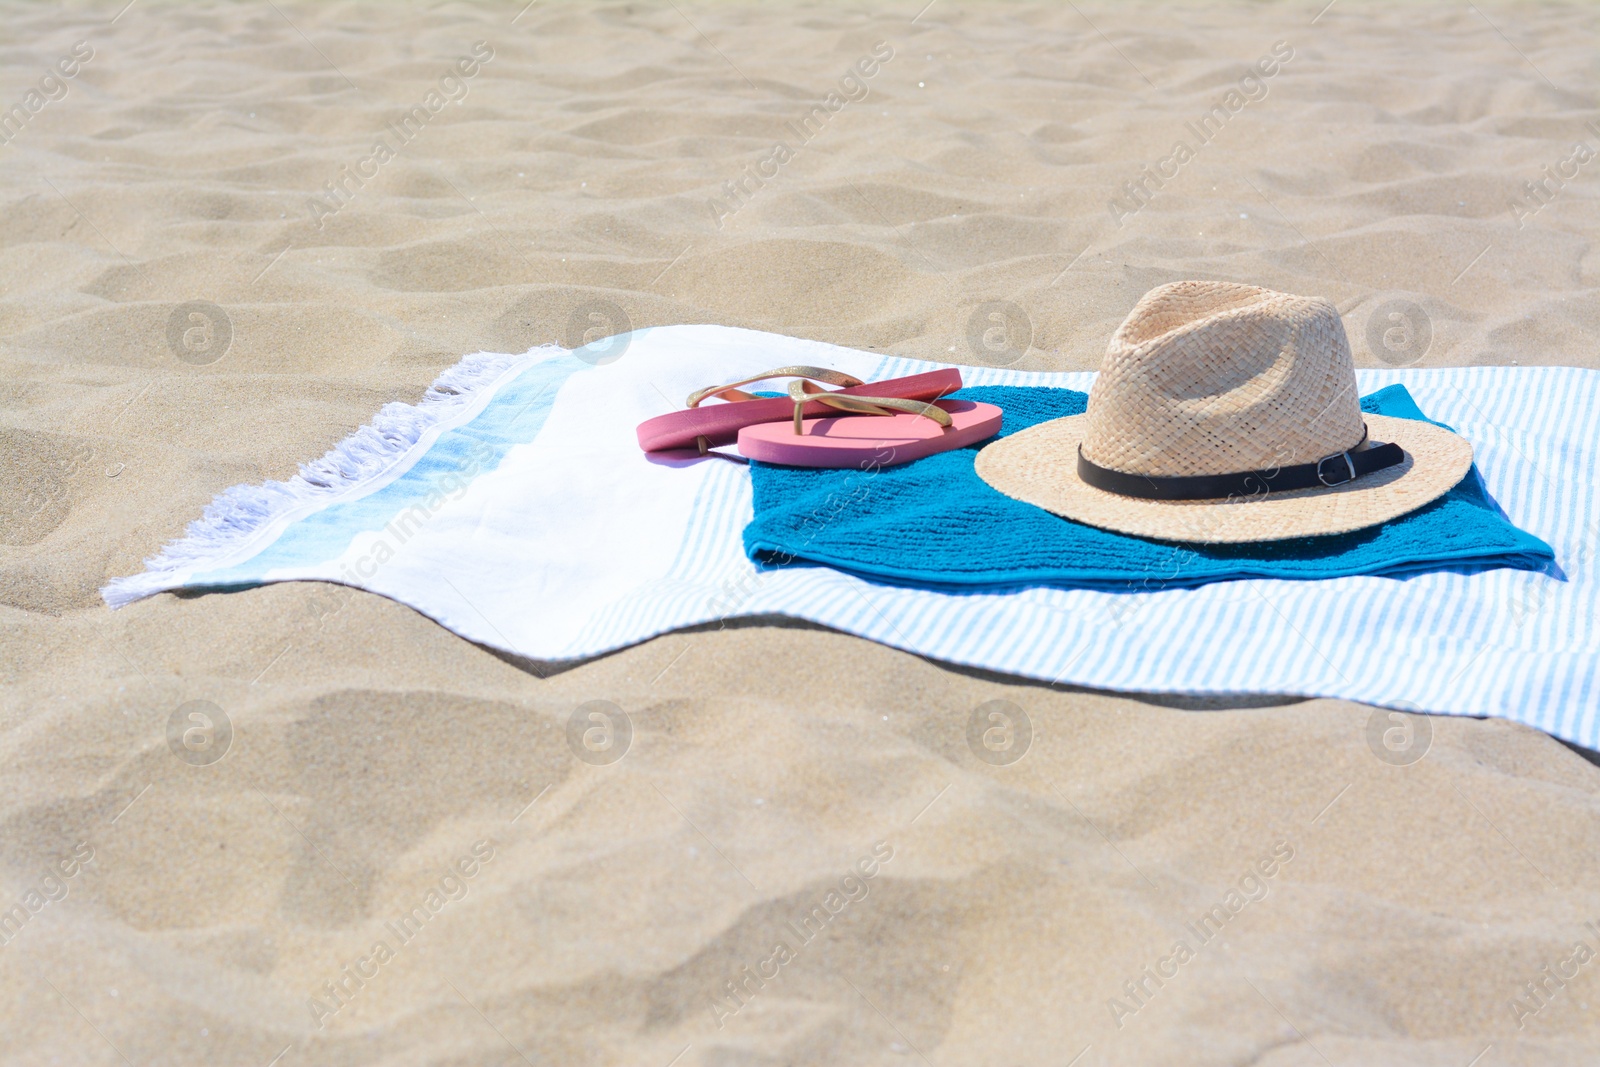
(1350, 469)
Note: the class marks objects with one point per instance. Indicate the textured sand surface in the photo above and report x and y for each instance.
(1380, 912)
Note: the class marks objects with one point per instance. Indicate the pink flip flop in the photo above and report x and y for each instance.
(719, 424)
(871, 440)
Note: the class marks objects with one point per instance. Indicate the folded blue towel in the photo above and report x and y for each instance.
(934, 522)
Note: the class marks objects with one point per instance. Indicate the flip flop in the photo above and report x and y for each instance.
(719, 424)
(893, 431)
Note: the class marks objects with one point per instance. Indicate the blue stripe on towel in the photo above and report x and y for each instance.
(516, 416)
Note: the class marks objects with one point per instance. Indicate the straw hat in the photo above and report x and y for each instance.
(1227, 413)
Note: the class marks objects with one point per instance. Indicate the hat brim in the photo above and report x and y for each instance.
(1039, 466)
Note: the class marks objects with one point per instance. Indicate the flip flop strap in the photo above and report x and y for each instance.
(732, 391)
(861, 405)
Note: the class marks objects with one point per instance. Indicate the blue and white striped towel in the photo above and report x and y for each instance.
(513, 506)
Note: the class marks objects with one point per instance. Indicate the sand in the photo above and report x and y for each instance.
(1372, 911)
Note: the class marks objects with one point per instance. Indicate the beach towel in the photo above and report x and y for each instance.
(513, 506)
(935, 523)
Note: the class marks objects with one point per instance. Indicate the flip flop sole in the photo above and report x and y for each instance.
(869, 440)
(720, 424)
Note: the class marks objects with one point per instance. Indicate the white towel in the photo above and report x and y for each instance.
(514, 507)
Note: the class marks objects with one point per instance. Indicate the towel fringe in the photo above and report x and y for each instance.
(239, 512)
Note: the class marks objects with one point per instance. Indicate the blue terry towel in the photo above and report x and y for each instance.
(934, 522)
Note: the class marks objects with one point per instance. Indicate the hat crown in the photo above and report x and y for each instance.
(1218, 378)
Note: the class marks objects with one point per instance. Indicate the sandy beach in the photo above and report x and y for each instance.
(232, 232)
